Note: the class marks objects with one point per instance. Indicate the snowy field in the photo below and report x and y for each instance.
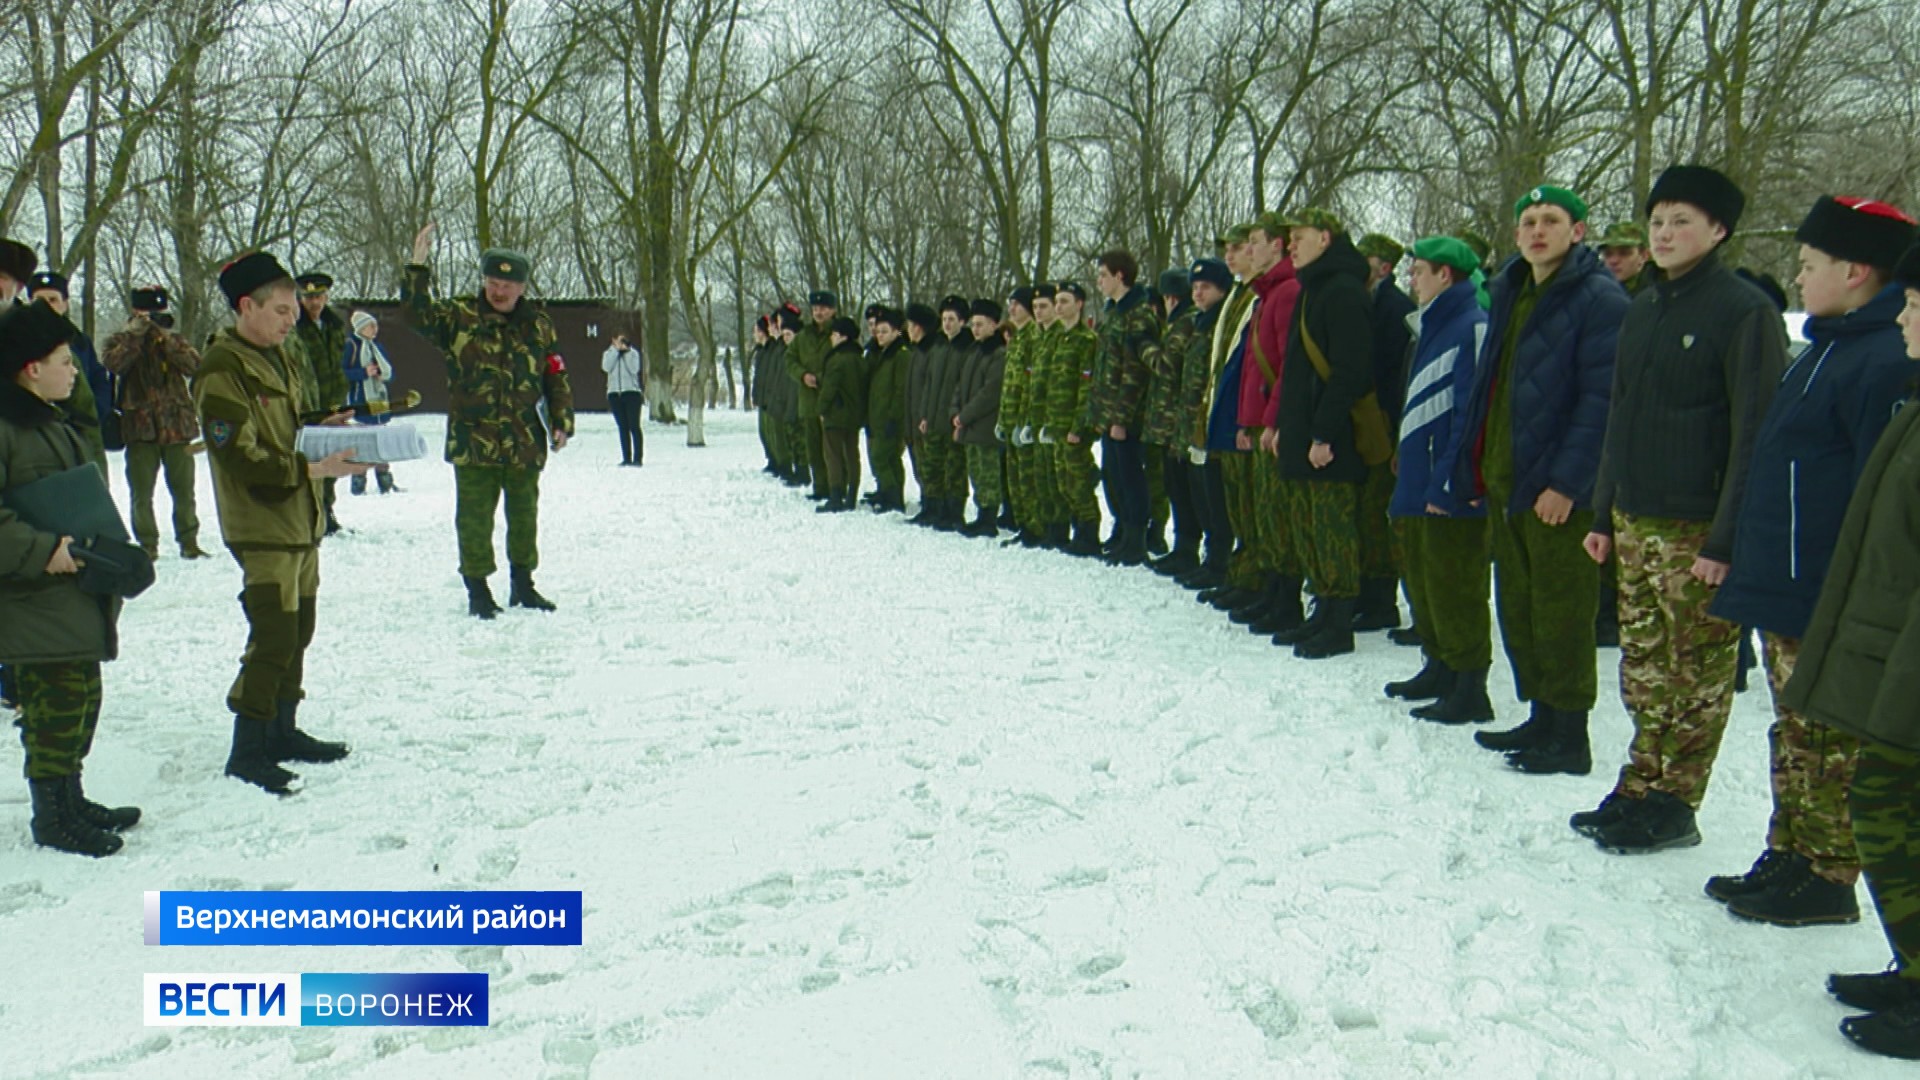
(853, 800)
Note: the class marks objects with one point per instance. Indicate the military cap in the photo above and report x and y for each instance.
(845, 327)
(890, 316)
(1857, 230)
(1046, 290)
(1907, 270)
(1023, 295)
(312, 283)
(1697, 185)
(148, 298)
(48, 279)
(823, 298)
(1552, 195)
(1313, 217)
(1213, 272)
(505, 265)
(1074, 289)
(1174, 282)
(1623, 234)
(1274, 223)
(789, 319)
(1447, 251)
(1382, 247)
(986, 308)
(1239, 234)
(248, 274)
(872, 312)
(956, 304)
(925, 316)
(17, 260)
(760, 323)
(30, 333)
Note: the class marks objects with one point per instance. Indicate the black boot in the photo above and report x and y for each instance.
(926, 515)
(1286, 613)
(1767, 869)
(1877, 992)
(111, 818)
(522, 593)
(480, 603)
(832, 505)
(55, 825)
(1335, 637)
(1894, 1033)
(1566, 750)
(1309, 627)
(1059, 536)
(1431, 684)
(292, 744)
(1800, 897)
(251, 758)
(1405, 636)
(1537, 728)
(1379, 606)
(1006, 520)
(1181, 560)
(1132, 550)
(982, 526)
(1588, 823)
(1466, 701)
(950, 515)
(1658, 822)
(1086, 540)
(1262, 602)
(1154, 540)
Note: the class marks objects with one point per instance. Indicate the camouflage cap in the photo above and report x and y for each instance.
(1275, 224)
(1239, 234)
(505, 265)
(1623, 234)
(1314, 217)
(1382, 247)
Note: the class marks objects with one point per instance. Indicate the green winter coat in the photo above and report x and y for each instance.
(976, 402)
(887, 391)
(44, 618)
(1166, 420)
(1070, 383)
(1859, 666)
(325, 345)
(500, 370)
(842, 397)
(807, 355)
(944, 375)
(1016, 381)
(1129, 335)
(250, 403)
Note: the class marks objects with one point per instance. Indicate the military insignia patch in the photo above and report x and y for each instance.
(556, 364)
(506, 267)
(1686, 341)
(219, 433)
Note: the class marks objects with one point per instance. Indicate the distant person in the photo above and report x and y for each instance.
(91, 406)
(369, 389)
(626, 369)
(157, 418)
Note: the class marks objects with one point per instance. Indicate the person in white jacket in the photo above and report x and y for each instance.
(368, 374)
(626, 372)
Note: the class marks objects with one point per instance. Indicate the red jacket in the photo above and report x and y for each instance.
(1278, 292)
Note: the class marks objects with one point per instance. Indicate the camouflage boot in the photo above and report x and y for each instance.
(55, 825)
(523, 594)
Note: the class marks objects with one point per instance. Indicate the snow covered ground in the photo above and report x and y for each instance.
(848, 800)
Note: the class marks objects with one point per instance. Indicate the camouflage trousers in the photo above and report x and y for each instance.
(478, 490)
(1323, 517)
(1812, 769)
(1024, 486)
(814, 437)
(1447, 572)
(145, 461)
(1159, 503)
(1886, 825)
(277, 595)
(1676, 661)
(59, 709)
(934, 450)
(1377, 554)
(840, 453)
(797, 449)
(884, 460)
(1544, 588)
(1275, 522)
(914, 443)
(1049, 507)
(1245, 565)
(984, 464)
(1077, 477)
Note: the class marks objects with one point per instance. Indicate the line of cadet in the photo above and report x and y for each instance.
(1613, 440)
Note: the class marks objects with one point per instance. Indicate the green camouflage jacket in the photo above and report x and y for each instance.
(323, 345)
(1166, 420)
(1016, 384)
(1129, 335)
(1196, 380)
(1040, 365)
(500, 370)
(1070, 381)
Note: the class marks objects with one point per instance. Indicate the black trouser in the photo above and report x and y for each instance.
(1208, 486)
(1187, 521)
(626, 414)
(1123, 472)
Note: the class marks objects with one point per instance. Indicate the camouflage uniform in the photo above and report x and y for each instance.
(1330, 511)
(1237, 469)
(59, 710)
(1164, 430)
(1069, 389)
(324, 342)
(1813, 766)
(1886, 788)
(1049, 503)
(1377, 557)
(501, 371)
(1015, 391)
(1129, 343)
(1676, 661)
(1447, 571)
(157, 423)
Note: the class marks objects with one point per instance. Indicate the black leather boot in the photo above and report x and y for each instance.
(523, 593)
(111, 818)
(1431, 684)
(55, 825)
(251, 758)
(292, 744)
(1466, 701)
(1335, 636)
(480, 602)
(1566, 749)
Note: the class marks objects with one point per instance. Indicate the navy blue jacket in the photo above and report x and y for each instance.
(1453, 333)
(1223, 422)
(98, 379)
(1827, 414)
(1562, 372)
(1391, 338)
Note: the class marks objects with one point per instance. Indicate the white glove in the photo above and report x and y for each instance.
(1023, 437)
(1196, 455)
(1000, 432)
(1046, 437)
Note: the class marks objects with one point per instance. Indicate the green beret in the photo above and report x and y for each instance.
(1565, 199)
(1447, 251)
(1623, 234)
(1384, 248)
(1314, 217)
(1239, 234)
(505, 265)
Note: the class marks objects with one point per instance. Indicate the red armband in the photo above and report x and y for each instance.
(556, 364)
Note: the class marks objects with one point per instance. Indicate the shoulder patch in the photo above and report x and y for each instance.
(556, 364)
(219, 433)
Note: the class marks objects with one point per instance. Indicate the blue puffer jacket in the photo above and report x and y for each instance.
(1453, 332)
(1562, 369)
(1223, 423)
(1826, 416)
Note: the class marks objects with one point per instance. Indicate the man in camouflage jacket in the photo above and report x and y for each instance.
(501, 370)
(320, 338)
(1129, 344)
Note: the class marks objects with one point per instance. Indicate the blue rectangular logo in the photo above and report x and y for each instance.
(369, 999)
(363, 918)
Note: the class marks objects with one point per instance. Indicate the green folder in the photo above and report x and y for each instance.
(73, 503)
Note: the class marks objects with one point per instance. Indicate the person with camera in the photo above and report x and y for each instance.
(626, 370)
(156, 417)
(54, 634)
